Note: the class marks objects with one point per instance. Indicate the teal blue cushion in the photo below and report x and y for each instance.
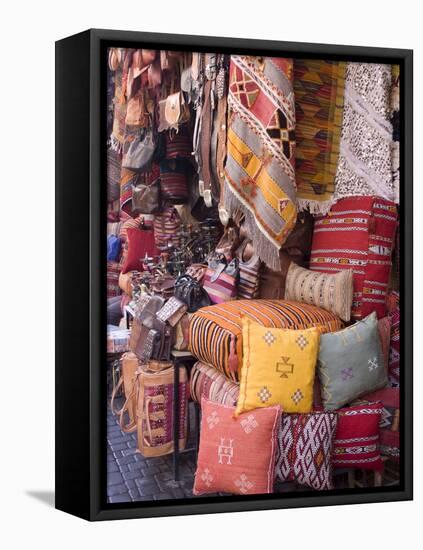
(351, 363)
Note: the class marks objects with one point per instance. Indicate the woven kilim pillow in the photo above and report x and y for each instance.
(333, 292)
(389, 424)
(358, 234)
(305, 449)
(216, 331)
(351, 363)
(237, 455)
(206, 381)
(357, 437)
(278, 368)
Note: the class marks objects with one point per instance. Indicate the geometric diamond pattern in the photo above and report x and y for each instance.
(305, 443)
(264, 394)
(297, 396)
(302, 341)
(269, 338)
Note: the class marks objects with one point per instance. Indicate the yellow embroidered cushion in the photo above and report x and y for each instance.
(278, 368)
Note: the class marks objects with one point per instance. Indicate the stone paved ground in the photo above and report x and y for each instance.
(131, 477)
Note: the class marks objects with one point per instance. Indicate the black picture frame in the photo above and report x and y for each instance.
(80, 274)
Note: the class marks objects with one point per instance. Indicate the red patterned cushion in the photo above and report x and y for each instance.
(357, 437)
(113, 270)
(305, 448)
(237, 455)
(358, 234)
(140, 243)
(389, 421)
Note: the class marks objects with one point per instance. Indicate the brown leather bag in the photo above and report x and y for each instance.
(146, 198)
(129, 366)
(153, 391)
(296, 248)
(151, 338)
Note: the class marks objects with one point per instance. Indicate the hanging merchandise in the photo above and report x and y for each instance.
(173, 179)
(259, 172)
(146, 198)
(166, 228)
(319, 101)
(221, 280)
(364, 166)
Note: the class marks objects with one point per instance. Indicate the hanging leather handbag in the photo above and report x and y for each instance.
(153, 391)
(190, 291)
(220, 281)
(146, 198)
(176, 110)
(138, 150)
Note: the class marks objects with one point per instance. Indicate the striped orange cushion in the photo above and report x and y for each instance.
(216, 331)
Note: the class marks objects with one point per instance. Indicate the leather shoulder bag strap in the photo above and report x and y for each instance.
(114, 393)
(132, 426)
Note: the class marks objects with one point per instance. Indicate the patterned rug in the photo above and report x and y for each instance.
(259, 171)
(319, 101)
(365, 166)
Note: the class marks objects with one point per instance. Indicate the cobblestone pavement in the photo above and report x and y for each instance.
(133, 478)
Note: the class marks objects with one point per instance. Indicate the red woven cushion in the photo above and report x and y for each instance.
(389, 422)
(140, 243)
(305, 449)
(357, 437)
(358, 234)
(237, 455)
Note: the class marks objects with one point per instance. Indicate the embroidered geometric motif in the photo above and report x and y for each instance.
(225, 450)
(305, 443)
(387, 417)
(278, 131)
(243, 484)
(264, 394)
(207, 477)
(373, 364)
(269, 338)
(302, 341)
(284, 368)
(212, 420)
(248, 424)
(246, 91)
(346, 374)
(297, 396)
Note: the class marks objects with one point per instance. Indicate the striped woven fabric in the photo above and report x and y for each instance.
(249, 274)
(166, 228)
(208, 382)
(173, 181)
(333, 292)
(216, 331)
(358, 234)
(220, 288)
(178, 145)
